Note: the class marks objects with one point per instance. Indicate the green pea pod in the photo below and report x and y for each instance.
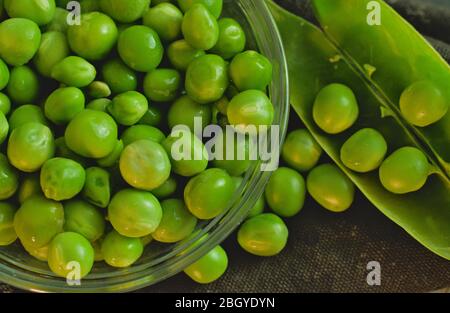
(314, 62)
(376, 38)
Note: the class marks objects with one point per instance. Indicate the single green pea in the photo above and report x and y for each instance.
(405, 171)
(200, 28)
(62, 179)
(251, 108)
(232, 39)
(5, 104)
(331, 188)
(207, 79)
(99, 90)
(208, 194)
(140, 48)
(335, 109)
(125, 11)
(94, 37)
(64, 104)
(27, 113)
(286, 192)
(423, 104)
(4, 75)
(181, 54)
(165, 19)
(59, 21)
(187, 153)
(134, 213)
(128, 108)
(30, 146)
(258, 208)
(177, 222)
(92, 134)
(142, 132)
(19, 40)
(30, 186)
(113, 158)
(9, 179)
(162, 85)
(301, 151)
(63, 151)
(152, 117)
(4, 127)
(40, 254)
(166, 190)
(97, 188)
(364, 151)
(23, 86)
(263, 235)
(145, 165)
(214, 6)
(53, 49)
(38, 220)
(119, 77)
(120, 251)
(210, 267)
(90, 6)
(251, 70)
(84, 219)
(7, 233)
(100, 104)
(184, 111)
(68, 252)
(74, 71)
(41, 12)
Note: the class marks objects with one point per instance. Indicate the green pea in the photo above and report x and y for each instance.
(210, 267)
(258, 208)
(162, 85)
(63, 151)
(119, 77)
(152, 117)
(23, 86)
(27, 113)
(263, 235)
(62, 179)
(53, 49)
(4, 127)
(232, 38)
(286, 192)
(200, 28)
(329, 186)
(4, 74)
(128, 108)
(140, 48)
(145, 165)
(166, 190)
(251, 70)
(181, 54)
(184, 111)
(120, 251)
(38, 220)
(40, 254)
(335, 109)
(41, 12)
(125, 11)
(251, 108)
(423, 104)
(207, 79)
(7, 233)
(94, 37)
(405, 171)
(90, 5)
(112, 158)
(64, 104)
(100, 104)
(97, 246)
(97, 189)
(92, 134)
(59, 21)
(364, 151)
(29, 187)
(135, 213)
(74, 71)
(301, 151)
(208, 194)
(99, 90)
(30, 146)
(19, 40)
(84, 219)
(69, 251)
(214, 6)
(142, 132)
(9, 180)
(5, 104)
(165, 19)
(187, 153)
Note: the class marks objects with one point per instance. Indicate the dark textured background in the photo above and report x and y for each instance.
(329, 252)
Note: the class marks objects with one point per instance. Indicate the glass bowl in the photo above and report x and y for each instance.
(160, 262)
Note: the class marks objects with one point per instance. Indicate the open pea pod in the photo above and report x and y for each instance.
(392, 55)
(315, 62)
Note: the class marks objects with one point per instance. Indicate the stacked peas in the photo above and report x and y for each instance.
(88, 171)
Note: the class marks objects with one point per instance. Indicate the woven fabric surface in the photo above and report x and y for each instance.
(330, 252)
